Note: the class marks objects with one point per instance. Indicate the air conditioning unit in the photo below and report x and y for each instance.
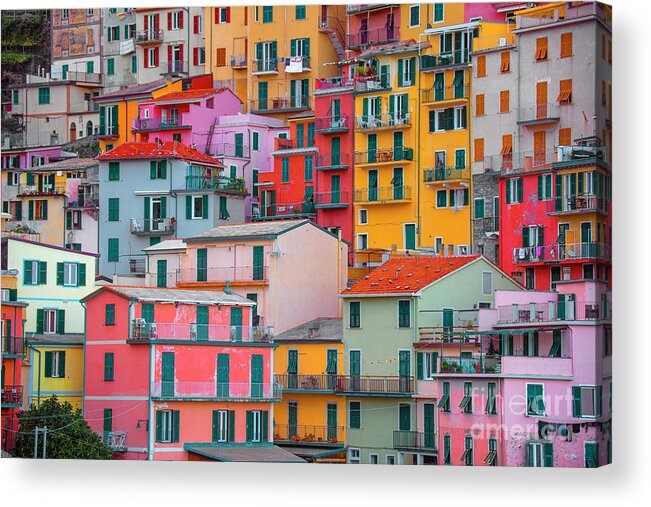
(193, 331)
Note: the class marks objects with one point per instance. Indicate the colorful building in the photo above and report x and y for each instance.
(118, 40)
(390, 419)
(76, 45)
(310, 420)
(180, 375)
(52, 280)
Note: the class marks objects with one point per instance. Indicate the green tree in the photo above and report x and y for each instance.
(68, 435)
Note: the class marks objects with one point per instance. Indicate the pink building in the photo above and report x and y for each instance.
(175, 374)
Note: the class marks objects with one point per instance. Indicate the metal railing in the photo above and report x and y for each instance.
(231, 150)
(221, 390)
(287, 209)
(563, 13)
(553, 311)
(332, 199)
(281, 143)
(522, 161)
(446, 59)
(415, 440)
(158, 123)
(452, 92)
(193, 332)
(149, 35)
(311, 434)
(270, 65)
(379, 121)
(222, 274)
(375, 384)
(374, 36)
(383, 194)
(372, 83)
(152, 226)
(281, 103)
(177, 66)
(305, 60)
(332, 123)
(137, 266)
(445, 174)
(561, 252)
(42, 190)
(585, 203)
(12, 395)
(32, 236)
(300, 382)
(116, 440)
(539, 112)
(470, 365)
(224, 183)
(239, 61)
(71, 75)
(333, 83)
(380, 155)
(13, 346)
(569, 155)
(332, 160)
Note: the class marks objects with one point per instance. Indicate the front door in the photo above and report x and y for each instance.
(202, 323)
(167, 374)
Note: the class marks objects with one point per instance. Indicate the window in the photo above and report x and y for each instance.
(491, 399)
(267, 14)
(466, 457)
(373, 459)
(591, 453)
(355, 414)
(114, 171)
(70, 273)
(414, 16)
(257, 422)
(541, 49)
(566, 45)
(90, 13)
(479, 105)
(113, 33)
(481, 66)
(458, 198)
(34, 272)
(459, 118)
(55, 362)
(43, 95)
(586, 401)
(438, 12)
(362, 216)
(255, 136)
(167, 426)
(113, 249)
(354, 311)
(466, 401)
(404, 313)
(540, 454)
(15, 97)
(404, 417)
(113, 209)
(487, 283)
(565, 136)
(196, 207)
(284, 167)
(565, 94)
(444, 402)
(307, 167)
(157, 169)
(479, 208)
(73, 246)
(441, 198)
(505, 64)
(406, 71)
(174, 20)
(447, 119)
(429, 365)
(109, 366)
(479, 150)
(514, 191)
(535, 400)
(220, 57)
(354, 456)
(362, 241)
(446, 449)
(109, 315)
(544, 187)
(65, 14)
(223, 425)
(197, 24)
(504, 101)
(73, 219)
(300, 12)
(151, 58)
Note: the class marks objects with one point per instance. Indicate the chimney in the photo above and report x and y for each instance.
(227, 287)
(313, 329)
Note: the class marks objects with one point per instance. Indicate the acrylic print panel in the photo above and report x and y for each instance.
(352, 234)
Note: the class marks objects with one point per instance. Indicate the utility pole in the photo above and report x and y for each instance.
(38, 430)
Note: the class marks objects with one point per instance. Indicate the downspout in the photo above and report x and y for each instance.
(38, 398)
(83, 368)
(418, 164)
(471, 200)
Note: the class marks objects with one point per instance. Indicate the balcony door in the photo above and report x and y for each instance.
(429, 437)
(256, 376)
(236, 324)
(372, 185)
(176, 59)
(404, 370)
(586, 239)
(292, 419)
(155, 210)
(335, 185)
(331, 421)
(202, 323)
(167, 374)
(354, 369)
(292, 369)
(223, 375)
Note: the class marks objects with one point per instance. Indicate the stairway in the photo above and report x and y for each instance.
(337, 43)
(211, 132)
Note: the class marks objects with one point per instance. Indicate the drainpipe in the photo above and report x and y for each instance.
(471, 200)
(83, 368)
(418, 164)
(150, 407)
(38, 398)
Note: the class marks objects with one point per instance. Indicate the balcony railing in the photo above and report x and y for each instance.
(158, 123)
(309, 434)
(281, 143)
(137, 266)
(478, 364)
(109, 131)
(146, 331)
(12, 395)
(116, 440)
(42, 190)
(223, 183)
(260, 66)
(378, 156)
(365, 84)
(264, 391)
(373, 36)
(337, 199)
(149, 36)
(575, 204)
(332, 124)
(296, 103)
(562, 13)
(296, 382)
(522, 161)
(326, 161)
(32, 236)
(286, 210)
(239, 61)
(152, 226)
(13, 346)
(375, 384)
(231, 150)
(325, 85)
(234, 274)
(431, 95)
(305, 64)
(177, 67)
(380, 121)
(553, 311)
(383, 194)
(539, 113)
(561, 252)
(569, 156)
(440, 174)
(442, 60)
(415, 440)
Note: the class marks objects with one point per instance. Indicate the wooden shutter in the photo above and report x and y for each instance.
(504, 101)
(479, 105)
(541, 97)
(479, 150)
(541, 48)
(481, 66)
(566, 44)
(565, 136)
(505, 64)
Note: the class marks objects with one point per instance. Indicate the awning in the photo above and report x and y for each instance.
(262, 453)
(313, 452)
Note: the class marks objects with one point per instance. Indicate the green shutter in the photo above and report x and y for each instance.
(412, 71)
(69, 217)
(249, 425)
(176, 420)
(62, 364)
(581, 189)
(42, 273)
(231, 425)
(44, 211)
(204, 206)
(576, 401)
(161, 273)
(525, 237)
(81, 275)
(215, 425)
(419, 365)
(147, 312)
(519, 186)
(109, 359)
(27, 272)
(265, 425)
(152, 169)
(159, 426)
(202, 265)
(108, 420)
(113, 249)
(508, 191)
(405, 417)
(48, 361)
(109, 314)
(188, 207)
(400, 65)
(61, 321)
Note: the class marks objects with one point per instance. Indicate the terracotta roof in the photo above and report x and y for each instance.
(186, 95)
(408, 275)
(134, 90)
(169, 149)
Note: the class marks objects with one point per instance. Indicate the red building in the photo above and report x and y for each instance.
(174, 374)
(13, 353)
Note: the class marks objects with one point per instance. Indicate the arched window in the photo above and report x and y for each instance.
(89, 128)
(73, 131)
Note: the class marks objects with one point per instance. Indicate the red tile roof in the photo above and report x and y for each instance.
(169, 149)
(187, 95)
(407, 275)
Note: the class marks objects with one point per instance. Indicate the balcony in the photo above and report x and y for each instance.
(177, 67)
(280, 104)
(227, 391)
(365, 384)
(581, 155)
(374, 36)
(415, 441)
(383, 121)
(445, 174)
(116, 440)
(443, 60)
(330, 162)
(282, 144)
(108, 131)
(538, 114)
(308, 383)
(553, 311)
(11, 396)
(233, 274)
(239, 61)
(382, 155)
(198, 333)
(149, 37)
(478, 364)
(332, 200)
(150, 124)
(563, 13)
(331, 85)
(292, 64)
(216, 183)
(308, 434)
(137, 266)
(231, 150)
(31, 236)
(42, 190)
(449, 93)
(13, 346)
(152, 226)
(383, 194)
(367, 84)
(281, 211)
(576, 205)
(264, 67)
(509, 163)
(559, 252)
(332, 124)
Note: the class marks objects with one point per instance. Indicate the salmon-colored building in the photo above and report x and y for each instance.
(175, 374)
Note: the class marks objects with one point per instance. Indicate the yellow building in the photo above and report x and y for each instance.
(271, 55)
(310, 421)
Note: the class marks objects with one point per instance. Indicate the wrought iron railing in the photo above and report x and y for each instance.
(192, 332)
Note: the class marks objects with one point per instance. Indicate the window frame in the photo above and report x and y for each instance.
(529, 412)
(71, 274)
(399, 323)
(357, 459)
(362, 212)
(411, 10)
(194, 199)
(350, 413)
(359, 315)
(48, 327)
